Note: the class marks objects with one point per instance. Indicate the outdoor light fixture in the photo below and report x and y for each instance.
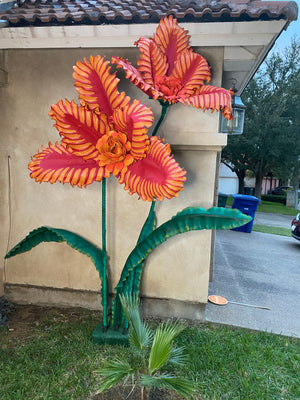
(234, 126)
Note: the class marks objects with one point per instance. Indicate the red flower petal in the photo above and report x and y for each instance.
(80, 127)
(57, 163)
(171, 39)
(192, 70)
(152, 61)
(156, 176)
(211, 97)
(135, 77)
(133, 120)
(97, 87)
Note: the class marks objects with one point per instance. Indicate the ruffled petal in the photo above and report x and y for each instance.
(171, 39)
(134, 119)
(97, 87)
(152, 62)
(157, 176)
(213, 98)
(192, 70)
(80, 127)
(57, 163)
(135, 77)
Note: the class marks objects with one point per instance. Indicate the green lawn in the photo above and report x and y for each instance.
(270, 207)
(54, 358)
(274, 230)
(276, 208)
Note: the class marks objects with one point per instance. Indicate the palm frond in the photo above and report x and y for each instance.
(178, 356)
(162, 346)
(114, 372)
(166, 381)
(140, 335)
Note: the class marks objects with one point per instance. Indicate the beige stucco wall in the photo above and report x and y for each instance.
(178, 270)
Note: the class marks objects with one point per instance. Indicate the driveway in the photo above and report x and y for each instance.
(257, 269)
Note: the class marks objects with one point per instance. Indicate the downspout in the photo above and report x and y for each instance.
(4, 6)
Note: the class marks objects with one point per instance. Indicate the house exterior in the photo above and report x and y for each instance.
(40, 41)
(228, 180)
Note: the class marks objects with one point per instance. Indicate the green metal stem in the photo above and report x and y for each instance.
(164, 107)
(105, 288)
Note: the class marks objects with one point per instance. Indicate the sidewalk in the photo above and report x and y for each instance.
(279, 220)
(257, 269)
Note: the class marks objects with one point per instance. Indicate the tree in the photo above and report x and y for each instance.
(270, 142)
(234, 157)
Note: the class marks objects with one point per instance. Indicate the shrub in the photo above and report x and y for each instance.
(273, 198)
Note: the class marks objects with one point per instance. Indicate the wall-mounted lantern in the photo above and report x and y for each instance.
(234, 126)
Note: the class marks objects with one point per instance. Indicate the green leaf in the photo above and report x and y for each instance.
(114, 372)
(140, 335)
(178, 356)
(190, 219)
(148, 227)
(165, 381)
(131, 285)
(47, 234)
(162, 346)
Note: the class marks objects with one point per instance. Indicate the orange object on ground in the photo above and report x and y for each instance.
(220, 301)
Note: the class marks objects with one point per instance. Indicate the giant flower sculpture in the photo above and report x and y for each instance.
(107, 135)
(170, 71)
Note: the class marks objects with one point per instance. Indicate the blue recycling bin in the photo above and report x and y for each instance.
(247, 205)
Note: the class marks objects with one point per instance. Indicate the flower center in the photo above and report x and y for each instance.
(113, 148)
(169, 86)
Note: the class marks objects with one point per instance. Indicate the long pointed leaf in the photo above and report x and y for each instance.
(148, 227)
(189, 219)
(131, 286)
(114, 372)
(140, 335)
(165, 381)
(47, 234)
(162, 347)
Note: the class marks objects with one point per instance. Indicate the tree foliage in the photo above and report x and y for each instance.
(271, 139)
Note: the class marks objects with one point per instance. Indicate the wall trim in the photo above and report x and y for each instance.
(65, 297)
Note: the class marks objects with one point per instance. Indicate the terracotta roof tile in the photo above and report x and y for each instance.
(60, 12)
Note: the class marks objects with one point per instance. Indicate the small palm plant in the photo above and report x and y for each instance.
(150, 352)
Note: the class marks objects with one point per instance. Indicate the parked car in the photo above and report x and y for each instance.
(295, 229)
(280, 190)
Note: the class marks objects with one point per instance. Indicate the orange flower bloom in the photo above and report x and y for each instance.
(156, 176)
(169, 70)
(105, 135)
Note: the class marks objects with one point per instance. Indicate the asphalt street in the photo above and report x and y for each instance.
(258, 269)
